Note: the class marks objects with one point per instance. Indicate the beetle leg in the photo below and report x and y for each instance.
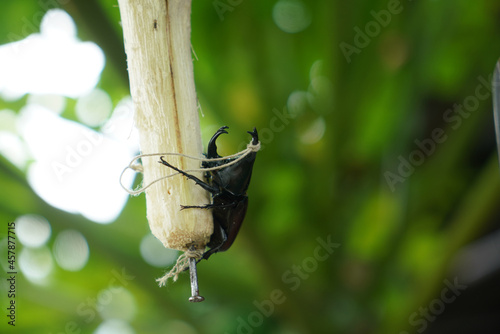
(222, 237)
(208, 206)
(209, 252)
(199, 182)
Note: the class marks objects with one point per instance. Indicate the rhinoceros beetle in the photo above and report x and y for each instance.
(228, 187)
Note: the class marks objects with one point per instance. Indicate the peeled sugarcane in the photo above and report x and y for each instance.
(158, 48)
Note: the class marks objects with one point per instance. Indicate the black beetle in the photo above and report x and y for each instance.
(228, 187)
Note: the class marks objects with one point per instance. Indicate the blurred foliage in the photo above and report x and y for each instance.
(322, 173)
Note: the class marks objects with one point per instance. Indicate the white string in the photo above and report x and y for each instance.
(181, 265)
(139, 168)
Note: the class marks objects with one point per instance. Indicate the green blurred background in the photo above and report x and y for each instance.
(364, 148)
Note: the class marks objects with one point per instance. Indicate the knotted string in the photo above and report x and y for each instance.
(181, 265)
(139, 168)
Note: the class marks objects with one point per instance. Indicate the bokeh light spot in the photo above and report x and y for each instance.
(121, 124)
(291, 16)
(94, 108)
(53, 61)
(155, 254)
(76, 168)
(117, 303)
(58, 24)
(8, 120)
(32, 230)
(36, 263)
(55, 103)
(14, 149)
(314, 131)
(114, 326)
(297, 103)
(71, 250)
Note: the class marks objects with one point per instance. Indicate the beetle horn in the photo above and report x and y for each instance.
(212, 147)
(255, 136)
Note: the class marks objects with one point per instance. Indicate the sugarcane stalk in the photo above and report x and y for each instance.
(158, 47)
